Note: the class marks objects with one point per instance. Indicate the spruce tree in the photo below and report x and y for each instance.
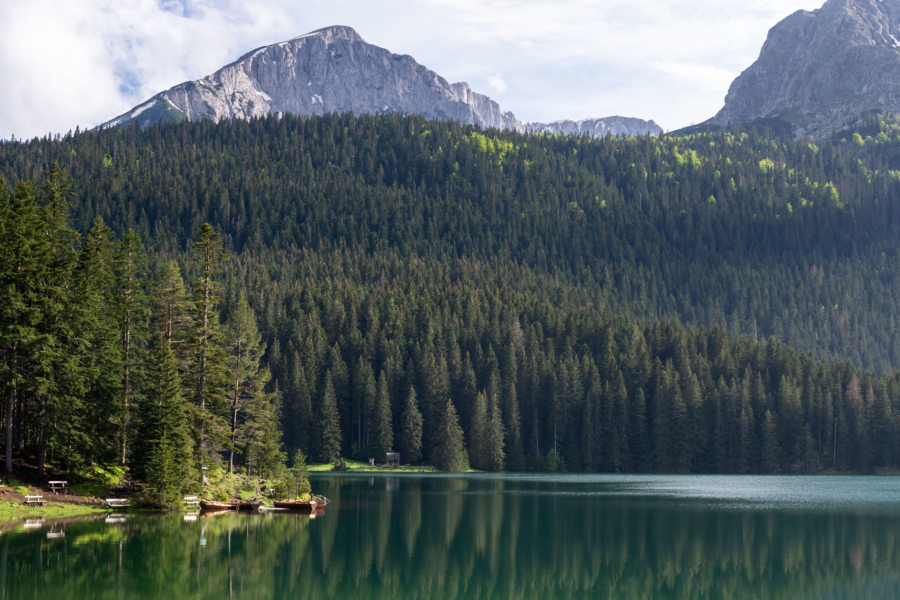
(163, 453)
(246, 379)
(478, 433)
(131, 309)
(101, 355)
(411, 429)
(383, 434)
(207, 350)
(24, 257)
(328, 425)
(449, 452)
(496, 455)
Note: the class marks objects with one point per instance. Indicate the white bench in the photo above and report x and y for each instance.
(192, 500)
(117, 502)
(57, 487)
(34, 500)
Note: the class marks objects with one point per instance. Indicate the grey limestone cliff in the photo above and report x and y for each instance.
(820, 70)
(597, 128)
(335, 70)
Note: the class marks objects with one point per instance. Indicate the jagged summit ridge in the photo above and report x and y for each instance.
(327, 70)
(819, 70)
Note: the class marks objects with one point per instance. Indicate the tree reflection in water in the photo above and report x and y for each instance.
(479, 537)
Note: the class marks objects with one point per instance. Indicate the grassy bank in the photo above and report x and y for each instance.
(355, 466)
(12, 510)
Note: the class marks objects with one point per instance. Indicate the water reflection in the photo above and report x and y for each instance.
(469, 538)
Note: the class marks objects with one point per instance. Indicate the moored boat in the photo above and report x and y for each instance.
(211, 505)
(297, 505)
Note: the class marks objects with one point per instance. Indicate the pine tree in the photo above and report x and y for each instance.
(411, 429)
(170, 315)
(769, 445)
(478, 433)
(328, 425)
(24, 256)
(246, 380)
(206, 342)
(495, 436)
(101, 357)
(383, 441)
(162, 453)
(449, 452)
(130, 270)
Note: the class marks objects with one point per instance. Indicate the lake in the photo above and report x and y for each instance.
(485, 536)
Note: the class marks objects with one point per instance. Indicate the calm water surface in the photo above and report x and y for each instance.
(479, 536)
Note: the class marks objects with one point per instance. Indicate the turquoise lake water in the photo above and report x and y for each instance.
(484, 536)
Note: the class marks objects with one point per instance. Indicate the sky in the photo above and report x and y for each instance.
(68, 63)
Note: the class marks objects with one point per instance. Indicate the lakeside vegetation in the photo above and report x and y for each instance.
(347, 286)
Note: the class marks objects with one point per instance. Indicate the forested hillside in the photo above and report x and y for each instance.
(514, 301)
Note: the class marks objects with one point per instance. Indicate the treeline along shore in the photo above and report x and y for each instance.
(350, 286)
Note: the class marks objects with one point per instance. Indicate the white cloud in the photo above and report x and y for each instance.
(497, 83)
(80, 62)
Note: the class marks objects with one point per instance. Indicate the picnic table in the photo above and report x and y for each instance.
(58, 487)
(34, 500)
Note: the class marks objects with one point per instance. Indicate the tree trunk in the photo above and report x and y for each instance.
(234, 414)
(42, 452)
(10, 406)
(126, 347)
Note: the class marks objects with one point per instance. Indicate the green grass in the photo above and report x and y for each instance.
(355, 466)
(12, 511)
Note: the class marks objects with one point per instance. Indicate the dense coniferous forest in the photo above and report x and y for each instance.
(717, 302)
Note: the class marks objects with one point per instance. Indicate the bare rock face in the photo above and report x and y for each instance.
(329, 70)
(597, 128)
(820, 70)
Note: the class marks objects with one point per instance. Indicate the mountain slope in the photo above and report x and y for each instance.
(335, 70)
(820, 70)
(766, 236)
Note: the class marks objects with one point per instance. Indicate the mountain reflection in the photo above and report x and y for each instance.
(466, 538)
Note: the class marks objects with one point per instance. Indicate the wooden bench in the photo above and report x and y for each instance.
(34, 500)
(58, 487)
(192, 500)
(117, 502)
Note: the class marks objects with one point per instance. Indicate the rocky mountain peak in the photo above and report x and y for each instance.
(819, 70)
(335, 70)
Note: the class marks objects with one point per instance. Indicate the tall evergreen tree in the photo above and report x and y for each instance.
(24, 258)
(246, 379)
(101, 357)
(449, 452)
(383, 434)
(131, 309)
(328, 425)
(411, 429)
(163, 453)
(206, 343)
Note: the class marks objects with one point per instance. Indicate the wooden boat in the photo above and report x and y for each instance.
(297, 505)
(212, 505)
